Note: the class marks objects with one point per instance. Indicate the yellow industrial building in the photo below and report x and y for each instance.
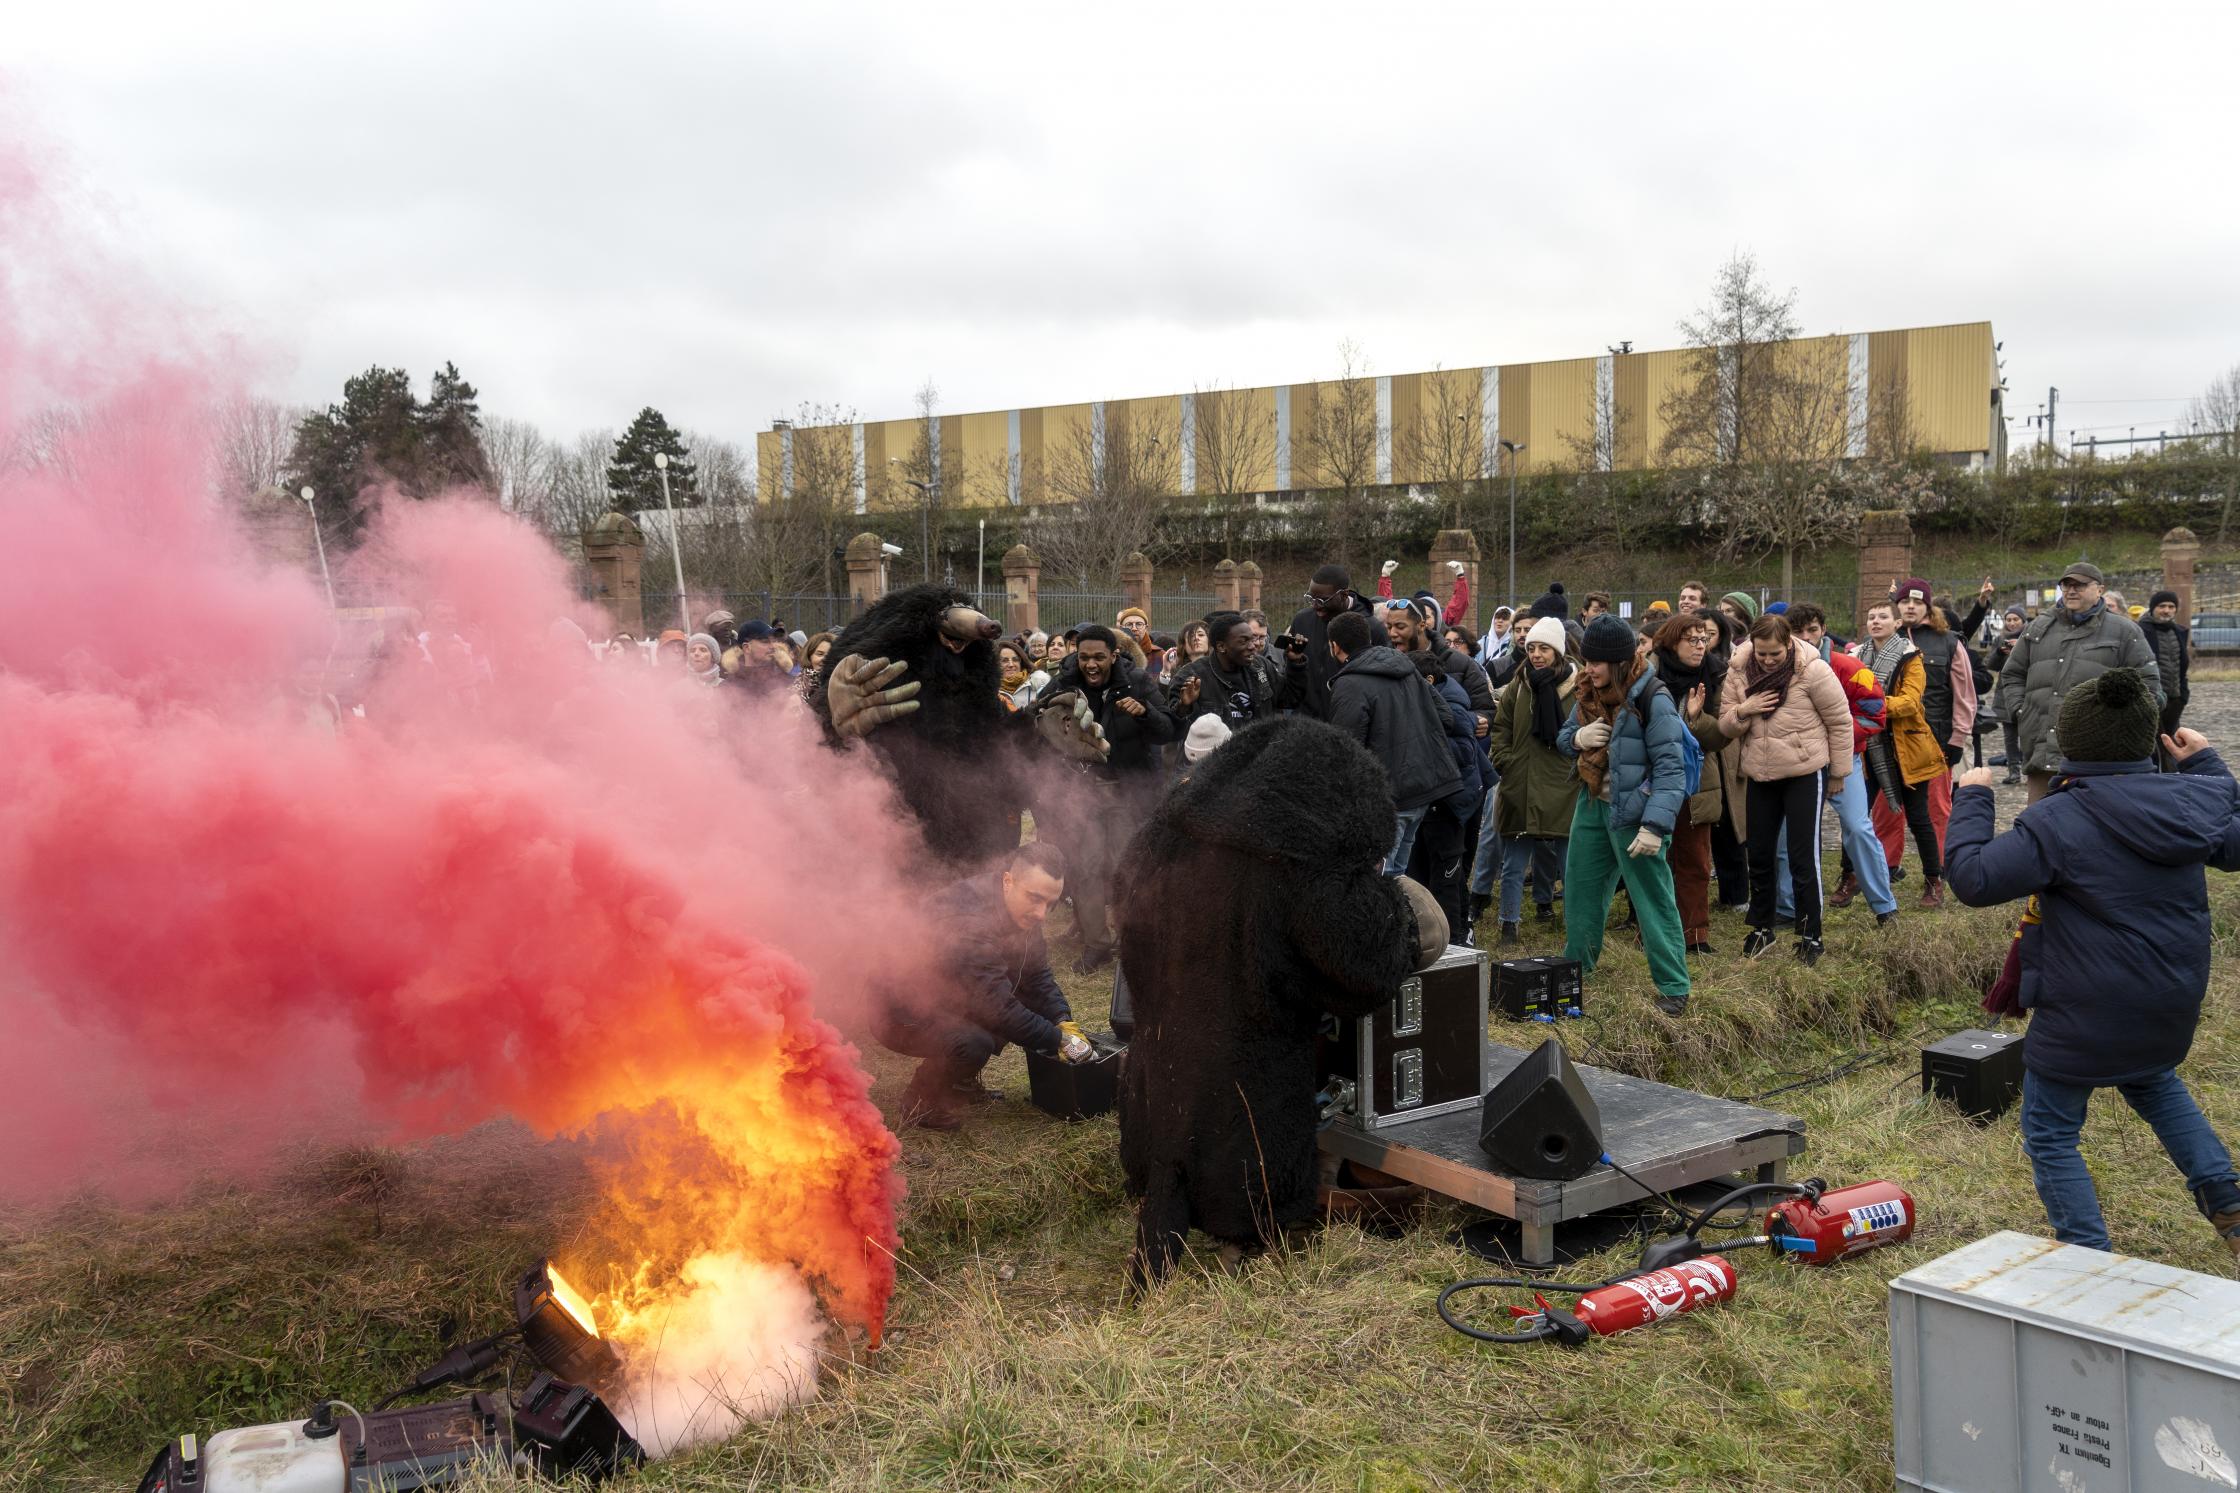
(1433, 427)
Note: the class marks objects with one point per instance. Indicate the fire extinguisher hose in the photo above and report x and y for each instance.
(1545, 1330)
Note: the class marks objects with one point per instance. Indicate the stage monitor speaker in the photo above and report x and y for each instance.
(1540, 1121)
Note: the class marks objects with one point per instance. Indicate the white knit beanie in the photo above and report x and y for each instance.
(1548, 630)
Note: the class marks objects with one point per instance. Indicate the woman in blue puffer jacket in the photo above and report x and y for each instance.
(1625, 732)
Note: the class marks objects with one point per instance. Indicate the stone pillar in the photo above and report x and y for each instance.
(1885, 556)
(867, 573)
(614, 550)
(1225, 587)
(2179, 550)
(1135, 582)
(1022, 593)
(1248, 588)
(1462, 545)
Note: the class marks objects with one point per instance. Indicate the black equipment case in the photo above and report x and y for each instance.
(1422, 1053)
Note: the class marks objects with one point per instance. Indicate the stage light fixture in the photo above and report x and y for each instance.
(561, 1331)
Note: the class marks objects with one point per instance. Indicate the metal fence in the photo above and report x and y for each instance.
(1062, 609)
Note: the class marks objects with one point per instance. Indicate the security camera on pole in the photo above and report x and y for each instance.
(676, 540)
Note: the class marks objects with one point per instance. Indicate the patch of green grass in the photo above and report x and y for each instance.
(1013, 1359)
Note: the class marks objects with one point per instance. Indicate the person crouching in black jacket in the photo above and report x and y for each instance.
(1091, 810)
(993, 987)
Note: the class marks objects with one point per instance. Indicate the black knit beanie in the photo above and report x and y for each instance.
(1609, 640)
(2160, 597)
(1552, 602)
(2109, 718)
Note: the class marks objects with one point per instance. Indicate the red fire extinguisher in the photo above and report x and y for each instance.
(1618, 1306)
(1830, 1226)
(1659, 1294)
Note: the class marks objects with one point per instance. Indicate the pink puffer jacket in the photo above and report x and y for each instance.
(1811, 730)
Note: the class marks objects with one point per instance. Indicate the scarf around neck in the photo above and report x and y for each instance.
(1762, 678)
(1547, 700)
(1603, 705)
(1884, 657)
(1680, 681)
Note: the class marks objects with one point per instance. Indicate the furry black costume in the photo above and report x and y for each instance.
(1274, 847)
(955, 759)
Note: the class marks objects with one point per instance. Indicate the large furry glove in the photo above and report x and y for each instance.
(1063, 722)
(1431, 922)
(862, 694)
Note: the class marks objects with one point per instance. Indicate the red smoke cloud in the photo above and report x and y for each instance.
(525, 884)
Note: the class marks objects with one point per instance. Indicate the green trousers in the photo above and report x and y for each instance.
(1596, 862)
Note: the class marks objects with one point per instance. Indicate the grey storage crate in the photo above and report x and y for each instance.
(2018, 1364)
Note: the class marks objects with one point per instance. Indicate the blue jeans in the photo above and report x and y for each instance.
(1404, 843)
(2053, 1114)
(1853, 805)
(1488, 864)
(1546, 858)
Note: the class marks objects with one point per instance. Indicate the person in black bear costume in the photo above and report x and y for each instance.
(1279, 839)
(916, 675)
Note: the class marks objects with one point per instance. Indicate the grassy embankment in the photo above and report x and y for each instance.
(1013, 1360)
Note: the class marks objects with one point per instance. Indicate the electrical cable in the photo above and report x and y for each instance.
(463, 1364)
(1810, 1189)
(1663, 1197)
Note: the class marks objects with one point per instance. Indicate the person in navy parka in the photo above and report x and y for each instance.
(2114, 973)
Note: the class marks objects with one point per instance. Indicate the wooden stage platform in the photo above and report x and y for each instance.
(1670, 1138)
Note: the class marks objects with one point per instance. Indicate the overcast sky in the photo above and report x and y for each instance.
(725, 210)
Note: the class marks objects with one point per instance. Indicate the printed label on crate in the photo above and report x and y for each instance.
(1873, 1219)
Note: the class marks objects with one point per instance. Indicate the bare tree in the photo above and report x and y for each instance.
(2216, 418)
(1442, 449)
(1236, 443)
(1789, 492)
(578, 492)
(926, 474)
(795, 535)
(1716, 408)
(1599, 513)
(45, 442)
(1342, 446)
(252, 438)
(1108, 482)
(524, 464)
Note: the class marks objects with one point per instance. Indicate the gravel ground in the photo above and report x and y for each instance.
(2214, 711)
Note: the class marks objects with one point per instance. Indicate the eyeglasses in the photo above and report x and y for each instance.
(2074, 583)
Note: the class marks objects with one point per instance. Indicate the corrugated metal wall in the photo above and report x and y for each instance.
(1948, 373)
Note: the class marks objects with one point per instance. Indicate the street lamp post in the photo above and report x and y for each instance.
(925, 525)
(321, 545)
(1512, 447)
(980, 578)
(676, 540)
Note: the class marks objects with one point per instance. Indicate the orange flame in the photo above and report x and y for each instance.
(749, 1183)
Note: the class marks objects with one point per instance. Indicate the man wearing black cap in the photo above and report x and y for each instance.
(2080, 639)
(2171, 642)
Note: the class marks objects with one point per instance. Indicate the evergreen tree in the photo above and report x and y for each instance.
(380, 436)
(451, 453)
(631, 475)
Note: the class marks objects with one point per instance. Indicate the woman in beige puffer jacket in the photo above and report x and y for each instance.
(1787, 709)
